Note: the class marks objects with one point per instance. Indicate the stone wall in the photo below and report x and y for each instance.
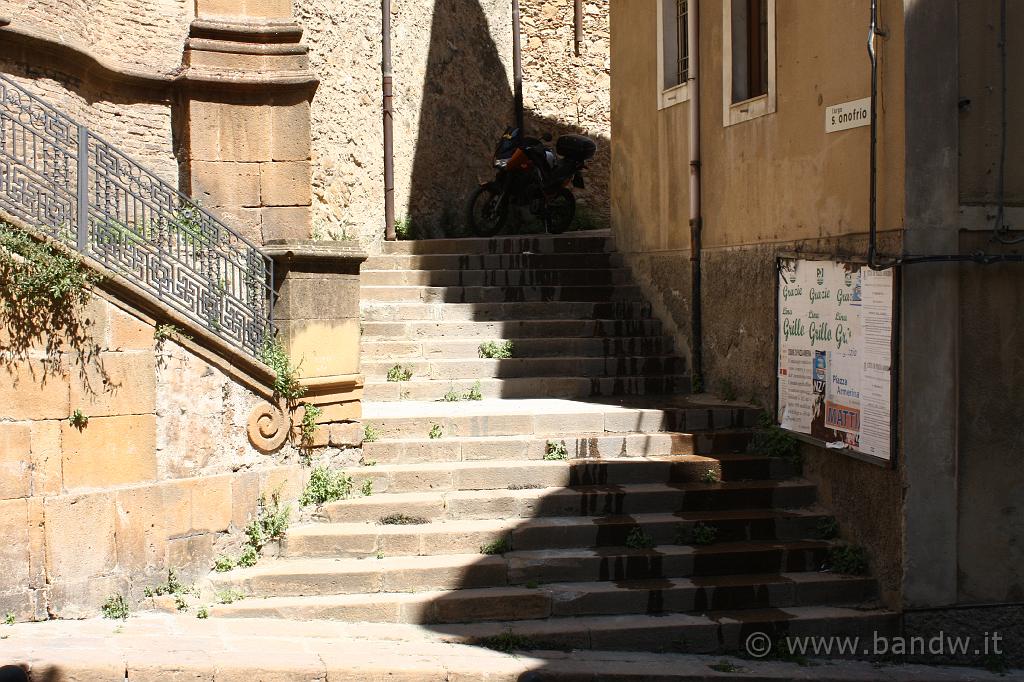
(162, 476)
(453, 99)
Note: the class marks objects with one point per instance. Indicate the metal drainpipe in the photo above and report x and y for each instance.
(517, 66)
(696, 220)
(578, 16)
(389, 134)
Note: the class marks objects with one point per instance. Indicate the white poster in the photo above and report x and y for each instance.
(835, 354)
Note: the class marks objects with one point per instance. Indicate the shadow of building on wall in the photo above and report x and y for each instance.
(467, 104)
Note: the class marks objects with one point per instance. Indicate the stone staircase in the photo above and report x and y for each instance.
(658, 531)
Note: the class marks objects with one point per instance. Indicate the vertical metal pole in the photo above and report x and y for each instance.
(82, 240)
(517, 66)
(389, 125)
(579, 26)
(696, 216)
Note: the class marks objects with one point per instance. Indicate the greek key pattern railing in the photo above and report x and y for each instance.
(58, 176)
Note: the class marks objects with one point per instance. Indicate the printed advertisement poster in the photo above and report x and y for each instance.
(835, 354)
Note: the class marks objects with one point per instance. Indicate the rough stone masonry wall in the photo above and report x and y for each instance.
(453, 99)
(162, 475)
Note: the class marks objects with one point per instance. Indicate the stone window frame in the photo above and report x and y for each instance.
(755, 107)
(670, 95)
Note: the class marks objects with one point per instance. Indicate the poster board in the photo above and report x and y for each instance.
(835, 354)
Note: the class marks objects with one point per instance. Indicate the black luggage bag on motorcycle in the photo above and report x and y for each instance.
(576, 147)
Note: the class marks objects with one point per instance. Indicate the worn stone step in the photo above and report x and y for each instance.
(302, 577)
(658, 596)
(595, 500)
(539, 473)
(497, 312)
(531, 387)
(597, 293)
(579, 446)
(495, 278)
(522, 367)
(589, 241)
(510, 328)
(355, 540)
(478, 261)
(453, 348)
(543, 416)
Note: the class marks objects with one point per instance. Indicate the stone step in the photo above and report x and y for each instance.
(594, 500)
(532, 387)
(538, 473)
(510, 329)
(521, 367)
(498, 312)
(521, 261)
(319, 577)
(362, 540)
(499, 294)
(559, 600)
(453, 348)
(496, 278)
(590, 241)
(545, 417)
(582, 446)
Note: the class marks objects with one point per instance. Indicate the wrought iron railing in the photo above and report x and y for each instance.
(58, 176)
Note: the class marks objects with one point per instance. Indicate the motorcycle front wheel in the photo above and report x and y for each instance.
(561, 210)
(487, 210)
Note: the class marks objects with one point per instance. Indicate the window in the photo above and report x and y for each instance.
(673, 51)
(749, 59)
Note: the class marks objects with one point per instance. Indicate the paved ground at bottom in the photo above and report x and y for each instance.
(175, 648)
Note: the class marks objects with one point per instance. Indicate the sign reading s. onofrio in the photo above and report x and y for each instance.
(848, 115)
(835, 354)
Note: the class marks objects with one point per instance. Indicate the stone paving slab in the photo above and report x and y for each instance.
(176, 648)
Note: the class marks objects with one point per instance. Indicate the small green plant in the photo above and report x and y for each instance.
(507, 642)
(115, 608)
(308, 428)
(248, 557)
(703, 534)
(79, 419)
(399, 373)
(367, 488)
(369, 462)
(639, 539)
(44, 276)
(710, 476)
(773, 441)
(827, 528)
(286, 375)
(474, 393)
(380, 555)
(499, 546)
(435, 432)
(163, 332)
(848, 560)
(223, 564)
(556, 450)
(531, 585)
(270, 523)
(728, 390)
(404, 228)
(172, 586)
(399, 519)
(370, 434)
(325, 486)
(9, 618)
(229, 596)
(452, 396)
(724, 667)
(496, 350)
(180, 603)
(202, 613)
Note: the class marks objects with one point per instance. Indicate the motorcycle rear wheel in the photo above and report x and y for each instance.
(487, 210)
(561, 210)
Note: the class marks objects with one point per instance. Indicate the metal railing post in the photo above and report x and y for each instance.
(82, 240)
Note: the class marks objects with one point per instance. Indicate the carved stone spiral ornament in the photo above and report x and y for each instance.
(269, 426)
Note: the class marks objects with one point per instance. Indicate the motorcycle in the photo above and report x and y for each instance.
(531, 179)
